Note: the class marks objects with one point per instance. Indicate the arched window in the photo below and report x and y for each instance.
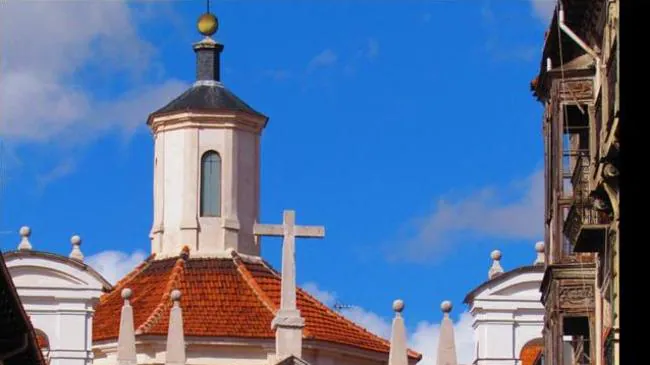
(211, 184)
(43, 343)
(531, 352)
(41, 338)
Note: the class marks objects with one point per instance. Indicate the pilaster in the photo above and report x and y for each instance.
(189, 225)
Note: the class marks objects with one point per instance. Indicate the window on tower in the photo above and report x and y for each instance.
(211, 184)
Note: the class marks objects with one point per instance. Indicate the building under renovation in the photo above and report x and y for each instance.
(578, 86)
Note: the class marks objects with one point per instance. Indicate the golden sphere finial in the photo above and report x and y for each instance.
(207, 24)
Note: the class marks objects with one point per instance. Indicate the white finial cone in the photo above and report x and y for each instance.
(24, 244)
(496, 268)
(76, 253)
(175, 338)
(398, 352)
(446, 344)
(126, 353)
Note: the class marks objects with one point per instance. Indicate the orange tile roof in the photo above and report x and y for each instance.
(530, 353)
(221, 297)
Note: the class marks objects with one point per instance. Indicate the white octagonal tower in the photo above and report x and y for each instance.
(206, 166)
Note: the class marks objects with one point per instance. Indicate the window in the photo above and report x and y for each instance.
(531, 353)
(210, 184)
(42, 339)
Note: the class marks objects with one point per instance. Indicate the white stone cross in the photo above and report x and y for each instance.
(288, 323)
(290, 231)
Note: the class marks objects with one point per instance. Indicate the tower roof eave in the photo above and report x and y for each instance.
(200, 97)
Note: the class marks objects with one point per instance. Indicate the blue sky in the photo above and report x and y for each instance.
(405, 127)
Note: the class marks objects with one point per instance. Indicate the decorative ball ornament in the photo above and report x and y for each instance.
(398, 305)
(126, 293)
(75, 240)
(446, 306)
(207, 24)
(25, 231)
(24, 238)
(496, 255)
(539, 246)
(175, 295)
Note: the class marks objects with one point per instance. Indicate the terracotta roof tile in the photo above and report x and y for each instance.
(221, 298)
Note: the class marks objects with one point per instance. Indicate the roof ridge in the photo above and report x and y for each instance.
(331, 312)
(306, 333)
(165, 301)
(250, 281)
(342, 318)
(64, 259)
(120, 283)
(503, 277)
(273, 271)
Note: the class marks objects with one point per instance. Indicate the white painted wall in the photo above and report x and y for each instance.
(213, 351)
(507, 315)
(180, 142)
(58, 294)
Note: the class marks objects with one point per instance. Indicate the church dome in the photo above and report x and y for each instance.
(231, 297)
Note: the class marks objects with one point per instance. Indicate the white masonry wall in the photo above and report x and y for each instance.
(58, 294)
(220, 351)
(180, 142)
(507, 315)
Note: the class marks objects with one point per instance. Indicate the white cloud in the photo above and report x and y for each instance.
(114, 265)
(484, 213)
(48, 47)
(323, 59)
(62, 169)
(368, 320)
(279, 74)
(367, 53)
(132, 109)
(325, 297)
(423, 339)
(328, 58)
(543, 9)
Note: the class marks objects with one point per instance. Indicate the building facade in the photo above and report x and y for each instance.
(578, 86)
(19, 343)
(59, 294)
(508, 318)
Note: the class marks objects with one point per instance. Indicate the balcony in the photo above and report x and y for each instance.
(585, 226)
